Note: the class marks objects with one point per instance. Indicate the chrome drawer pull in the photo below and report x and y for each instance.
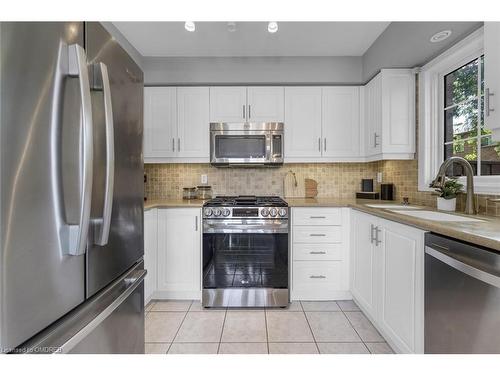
(318, 217)
(317, 252)
(317, 277)
(317, 235)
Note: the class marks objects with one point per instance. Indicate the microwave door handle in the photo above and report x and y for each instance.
(103, 225)
(77, 63)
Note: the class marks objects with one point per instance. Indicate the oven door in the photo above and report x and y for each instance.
(245, 262)
(240, 147)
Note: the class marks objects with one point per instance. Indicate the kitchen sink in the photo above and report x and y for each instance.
(394, 206)
(436, 216)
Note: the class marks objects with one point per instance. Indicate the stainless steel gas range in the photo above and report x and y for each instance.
(245, 252)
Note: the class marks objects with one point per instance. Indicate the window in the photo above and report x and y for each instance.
(464, 132)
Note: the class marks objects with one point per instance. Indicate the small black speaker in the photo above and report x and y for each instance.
(387, 192)
(367, 184)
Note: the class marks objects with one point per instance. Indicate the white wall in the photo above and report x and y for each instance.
(252, 70)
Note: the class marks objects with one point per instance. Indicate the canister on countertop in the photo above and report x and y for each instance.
(204, 192)
(387, 192)
(189, 193)
(367, 184)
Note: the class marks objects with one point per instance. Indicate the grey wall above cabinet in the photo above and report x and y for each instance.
(406, 44)
(252, 70)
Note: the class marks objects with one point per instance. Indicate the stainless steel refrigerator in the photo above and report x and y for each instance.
(71, 188)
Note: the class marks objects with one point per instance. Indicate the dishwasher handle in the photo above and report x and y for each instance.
(463, 267)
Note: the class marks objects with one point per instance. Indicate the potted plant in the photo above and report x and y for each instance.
(447, 200)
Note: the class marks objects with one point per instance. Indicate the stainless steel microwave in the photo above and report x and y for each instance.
(246, 144)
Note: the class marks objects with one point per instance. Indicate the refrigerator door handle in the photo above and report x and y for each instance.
(77, 64)
(103, 225)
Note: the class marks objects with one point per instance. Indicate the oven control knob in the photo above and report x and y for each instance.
(273, 212)
(207, 211)
(217, 212)
(225, 212)
(282, 212)
(264, 212)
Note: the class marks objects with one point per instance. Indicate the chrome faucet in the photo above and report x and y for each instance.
(470, 203)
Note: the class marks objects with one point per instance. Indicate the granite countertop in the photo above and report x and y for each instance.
(485, 233)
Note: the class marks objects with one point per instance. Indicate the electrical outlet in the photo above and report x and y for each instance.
(204, 179)
(379, 177)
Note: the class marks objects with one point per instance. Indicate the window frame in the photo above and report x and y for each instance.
(431, 119)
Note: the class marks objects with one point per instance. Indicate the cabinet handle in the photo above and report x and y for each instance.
(324, 141)
(319, 144)
(375, 136)
(178, 144)
(196, 223)
(318, 217)
(372, 229)
(249, 111)
(243, 111)
(317, 277)
(487, 95)
(317, 235)
(173, 144)
(377, 231)
(317, 252)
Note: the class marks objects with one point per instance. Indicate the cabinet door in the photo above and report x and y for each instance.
(398, 111)
(265, 104)
(179, 251)
(373, 116)
(492, 76)
(340, 119)
(160, 122)
(302, 122)
(400, 313)
(193, 125)
(228, 104)
(363, 261)
(150, 252)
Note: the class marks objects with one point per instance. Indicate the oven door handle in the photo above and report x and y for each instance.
(245, 228)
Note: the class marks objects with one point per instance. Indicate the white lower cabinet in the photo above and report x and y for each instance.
(150, 252)
(320, 254)
(172, 241)
(387, 274)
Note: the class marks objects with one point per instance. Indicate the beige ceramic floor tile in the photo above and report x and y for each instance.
(201, 327)
(171, 305)
(243, 348)
(194, 348)
(362, 325)
(293, 306)
(156, 348)
(288, 327)
(320, 306)
(293, 348)
(196, 306)
(348, 305)
(162, 326)
(244, 326)
(331, 327)
(379, 348)
(342, 348)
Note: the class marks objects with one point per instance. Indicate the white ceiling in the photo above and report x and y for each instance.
(252, 38)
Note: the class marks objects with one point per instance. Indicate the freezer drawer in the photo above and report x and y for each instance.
(110, 322)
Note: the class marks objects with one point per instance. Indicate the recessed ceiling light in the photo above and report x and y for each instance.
(272, 27)
(440, 36)
(189, 26)
(231, 27)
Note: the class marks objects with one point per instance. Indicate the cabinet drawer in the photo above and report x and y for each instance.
(317, 234)
(314, 251)
(312, 276)
(317, 216)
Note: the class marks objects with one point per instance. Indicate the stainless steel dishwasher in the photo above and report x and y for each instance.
(462, 297)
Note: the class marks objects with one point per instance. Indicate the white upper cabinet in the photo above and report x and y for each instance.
(228, 104)
(242, 104)
(302, 123)
(160, 122)
(340, 118)
(193, 122)
(176, 124)
(492, 77)
(390, 115)
(265, 104)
